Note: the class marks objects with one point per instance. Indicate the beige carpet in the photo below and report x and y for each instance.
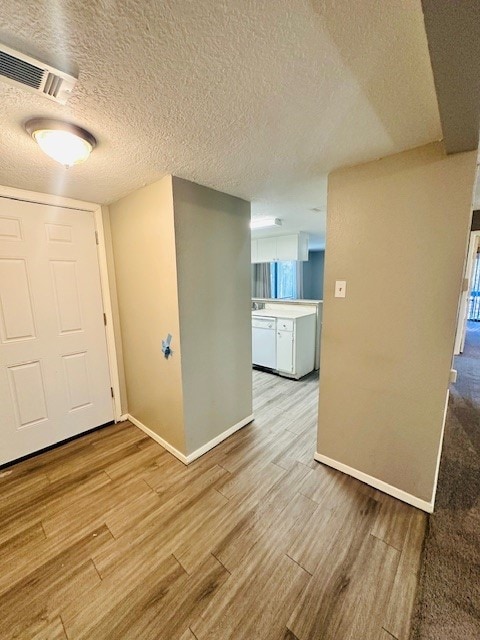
(448, 604)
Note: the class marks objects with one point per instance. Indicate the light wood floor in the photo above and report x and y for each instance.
(111, 537)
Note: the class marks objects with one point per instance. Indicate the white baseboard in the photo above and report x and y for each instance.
(376, 483)
(123, 417)
(199, 452)
(218, 439)
(163, 443)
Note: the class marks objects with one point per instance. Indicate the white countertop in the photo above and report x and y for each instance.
(286, 301)
(282, 313)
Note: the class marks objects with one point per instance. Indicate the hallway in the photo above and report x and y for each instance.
(449, 604)
(111, 537)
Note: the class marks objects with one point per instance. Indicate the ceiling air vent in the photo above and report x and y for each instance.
(20, 69)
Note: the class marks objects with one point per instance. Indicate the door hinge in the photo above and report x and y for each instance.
(96, 237)
(111, 391)
(105, 319)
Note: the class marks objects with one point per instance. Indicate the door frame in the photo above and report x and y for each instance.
(96, 210)
(473, 242)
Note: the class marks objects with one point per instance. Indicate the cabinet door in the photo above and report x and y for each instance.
(254, 251)
(302, 247)
(266, 249)
(285, 351)
(287, 248)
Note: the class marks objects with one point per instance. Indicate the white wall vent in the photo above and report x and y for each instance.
(20, 69)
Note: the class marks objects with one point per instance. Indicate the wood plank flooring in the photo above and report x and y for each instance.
(111, 537)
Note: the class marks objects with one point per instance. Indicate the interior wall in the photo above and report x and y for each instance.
(143, 236)
(117, 329)
(212, 238)
(313, 275)
(396, 232)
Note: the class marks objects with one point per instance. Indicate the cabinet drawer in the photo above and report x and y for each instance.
(263, 323)
(284, 324)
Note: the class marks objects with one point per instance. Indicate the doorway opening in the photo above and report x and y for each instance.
(473, 313)
(287, 304)
(469, 310)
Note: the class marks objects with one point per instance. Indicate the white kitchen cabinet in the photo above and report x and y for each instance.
(266, 249)
(303, 247)
(254, 251)
(280, 248)
(287, 248)
(285, 355)
(284, 342)
(296, 345)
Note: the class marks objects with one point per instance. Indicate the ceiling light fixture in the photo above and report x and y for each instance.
(264, 223)
(66, 143)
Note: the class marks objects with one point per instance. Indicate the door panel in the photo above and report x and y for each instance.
(76, 376)
(17, 313)
(54, 376)
(65, 287)
(285, 351)
(10, 229)
(28, 394)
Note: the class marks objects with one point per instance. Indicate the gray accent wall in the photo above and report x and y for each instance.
(313, 276)
(212, 238)
(454, 46)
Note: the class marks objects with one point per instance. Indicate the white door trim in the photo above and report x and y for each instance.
(96, 210)
(473, 241)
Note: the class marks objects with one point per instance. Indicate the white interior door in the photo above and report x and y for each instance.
(54, 374)
(465, 296)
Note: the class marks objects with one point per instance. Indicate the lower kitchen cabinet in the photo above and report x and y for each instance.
(282, 344)
(296, 345)
(285, 355)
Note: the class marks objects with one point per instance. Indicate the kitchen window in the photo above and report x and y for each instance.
(283, 279)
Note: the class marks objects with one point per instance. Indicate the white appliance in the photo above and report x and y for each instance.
(264, 342)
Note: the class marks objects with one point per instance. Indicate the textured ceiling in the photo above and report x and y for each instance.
(254, 98)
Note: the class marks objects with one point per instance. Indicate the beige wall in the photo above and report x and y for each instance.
(396, 232)
(212, 237)
(143, 239)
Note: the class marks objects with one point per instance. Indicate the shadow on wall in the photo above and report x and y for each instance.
(476, 221)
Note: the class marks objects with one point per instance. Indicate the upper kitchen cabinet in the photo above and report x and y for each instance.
(266, 250)
(280, 248)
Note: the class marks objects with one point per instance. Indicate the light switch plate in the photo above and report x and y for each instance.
(340, 288)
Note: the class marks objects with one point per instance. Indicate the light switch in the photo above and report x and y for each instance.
(340, 288)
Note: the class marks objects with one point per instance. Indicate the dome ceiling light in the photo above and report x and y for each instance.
(66, 143)
(264, 223)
